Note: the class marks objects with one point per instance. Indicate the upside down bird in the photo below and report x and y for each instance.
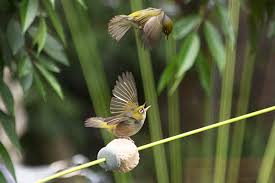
(128, 117)
(151, 22)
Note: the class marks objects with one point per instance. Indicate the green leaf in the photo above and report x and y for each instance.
(271, 29)
(215, 45)
(81, 2)
(55, 20)
(39, 85)
(185, 25)
(8, 124)
(48, 64)
(52, 3)
(53, 48)
(41, 35)
(28, 11)
(4, 155)
(25, 66)
(2, 178)
(204, 72)
(188, 53)
(167, 75)
(15, 37)
(7, 97)
(26, 81)
(51, 80)
(226, 24)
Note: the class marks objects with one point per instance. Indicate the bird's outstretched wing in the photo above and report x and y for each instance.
(152, 30)
(125, 95)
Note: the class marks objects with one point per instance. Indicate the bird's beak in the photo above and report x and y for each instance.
(147, 108)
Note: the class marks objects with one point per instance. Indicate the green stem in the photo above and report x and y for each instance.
(226, 96)
(268, 159)
(162, 141)
(174, 122)
(86, 48)
(242, 107)
(207, 145)
(151, 99)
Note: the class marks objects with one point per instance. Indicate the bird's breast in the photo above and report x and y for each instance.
(127, 128)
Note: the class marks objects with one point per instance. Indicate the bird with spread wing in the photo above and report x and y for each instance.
(127, 116)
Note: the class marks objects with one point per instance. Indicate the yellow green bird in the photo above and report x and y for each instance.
(128, 117)
(151, 22)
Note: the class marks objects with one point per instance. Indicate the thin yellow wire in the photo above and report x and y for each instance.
(146, 146)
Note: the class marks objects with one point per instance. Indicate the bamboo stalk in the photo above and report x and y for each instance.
(268, 159)
(86, 48)
(242, 107)
(176, 171)
(226, 96)
(151, 98)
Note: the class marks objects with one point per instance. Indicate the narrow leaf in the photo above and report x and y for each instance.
(55, 20)
(52, 3)
(51, 80)
(167, 75)
(48, 64)
(226, 24)
(52, 47)
(25, 66)
(4, 155)
(215, 45)
(203, 69)
(2, 178)
(28, 11)
(41, 35)
(185, 25)
(26, 81)
(39, 85)
(81, 2)
(7, 97)
(188, 53)
(8, 124)
(15, 37)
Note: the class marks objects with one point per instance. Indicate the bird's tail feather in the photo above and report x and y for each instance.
(118, 26)
(96, 122)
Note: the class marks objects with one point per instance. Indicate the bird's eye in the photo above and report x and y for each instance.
(140, 111)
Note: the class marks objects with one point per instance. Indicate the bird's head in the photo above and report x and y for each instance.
(167, 25)
(139, 113)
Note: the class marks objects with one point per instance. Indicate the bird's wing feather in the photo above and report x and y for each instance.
(113, 120)
(125, 94)
(152, 30)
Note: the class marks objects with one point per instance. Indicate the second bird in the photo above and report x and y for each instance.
(151, 22)
(128, 117)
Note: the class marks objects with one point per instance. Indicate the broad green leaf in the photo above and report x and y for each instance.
(185, 25)
(167, 75)
(204, 72)
(2, 178)
(81, 2)
(15, 37)
(4, 155)
(41, 35)
(28, 11)
(55, 20)
(51, 80)
(188, 53)
(48, 64)
(8, 123)
(39, 85)
(226, 24)
(7, 97)
(215, 44)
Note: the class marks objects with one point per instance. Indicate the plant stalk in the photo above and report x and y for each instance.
(151, 99)
(226, 95)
